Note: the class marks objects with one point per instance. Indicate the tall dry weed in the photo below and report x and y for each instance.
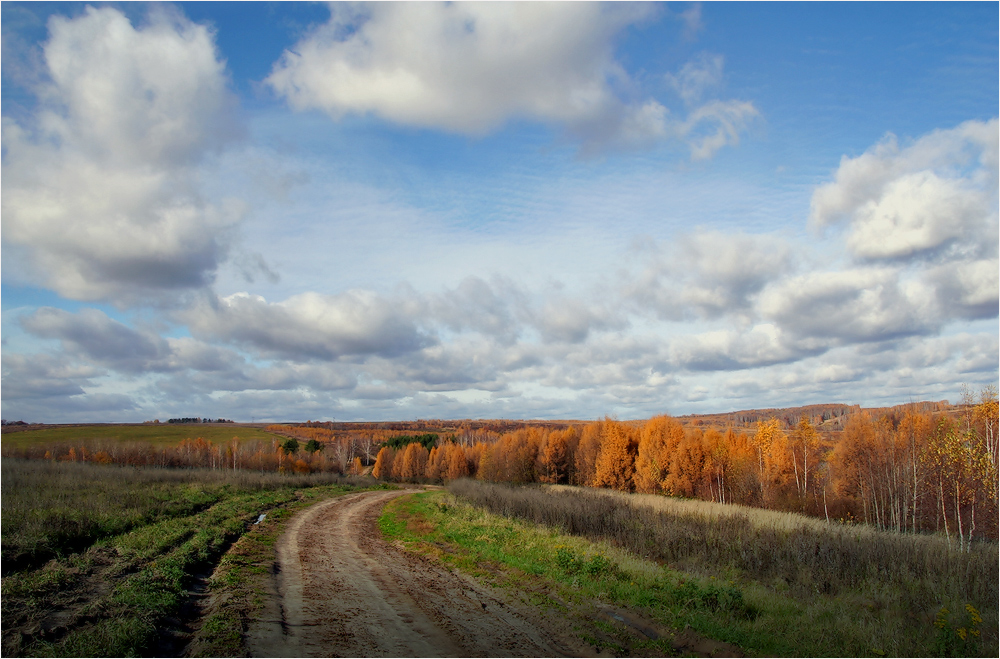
(808, 555)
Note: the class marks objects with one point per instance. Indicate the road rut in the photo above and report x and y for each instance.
(340, 590)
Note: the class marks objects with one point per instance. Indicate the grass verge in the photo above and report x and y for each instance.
(587, 579)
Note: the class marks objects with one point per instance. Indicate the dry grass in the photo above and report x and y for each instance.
(806, 556)
(162, 434)
(574, 576)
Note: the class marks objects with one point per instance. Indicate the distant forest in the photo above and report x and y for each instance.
(917, 468)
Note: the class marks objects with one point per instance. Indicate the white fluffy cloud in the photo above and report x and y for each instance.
(462, 67)
(100, 188)
(927, 214)
(469, 68)
(935, 198)
(710, 124)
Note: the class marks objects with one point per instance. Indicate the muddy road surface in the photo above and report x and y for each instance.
(340, 590)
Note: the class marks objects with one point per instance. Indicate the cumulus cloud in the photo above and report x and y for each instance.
(469, 68)
(922, 222)
(465, 68)
(89, 336)
(969, 290)
(100, 186)
(710, 124)
(715, 125)
(727, 350)
(573, 320)
(709, 274)
(43, 376)
(311, 325)
(935, 198)
(492, 308)
(691, 17)
(104, 340)
(858, 305)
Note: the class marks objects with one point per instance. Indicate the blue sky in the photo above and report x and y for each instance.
(519, 210)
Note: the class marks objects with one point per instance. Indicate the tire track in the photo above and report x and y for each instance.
(340, 590)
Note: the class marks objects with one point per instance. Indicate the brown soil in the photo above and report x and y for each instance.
(339, 590)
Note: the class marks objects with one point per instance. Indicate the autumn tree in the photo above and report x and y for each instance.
(512, 458)
(687, 464)
(414, 462)
(553, 458)
(803, 448)
(435, 463)
(775, 465)
(383, 464)
(615, 465)
(458, 466)
(585, 458)
(714, 467)
(737, 472)
(658, 439)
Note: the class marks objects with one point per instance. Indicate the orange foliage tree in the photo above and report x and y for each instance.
(383, 464)
(615, 465)
(414, 463)
(458, 464)
(585, 458)
(658, 439)
(554, 457)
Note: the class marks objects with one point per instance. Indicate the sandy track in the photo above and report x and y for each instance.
(340, 590)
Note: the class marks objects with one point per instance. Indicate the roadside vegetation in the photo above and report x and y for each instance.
(770, 585)
(100, 560)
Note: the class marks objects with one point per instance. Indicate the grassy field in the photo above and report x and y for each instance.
(704, 593)
(98, 560)
(161, 434)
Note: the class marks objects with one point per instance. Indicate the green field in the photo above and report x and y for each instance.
(98, 560)
(160, 434)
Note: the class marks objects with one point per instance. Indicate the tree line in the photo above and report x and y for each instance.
(904, 469)
(910, 468)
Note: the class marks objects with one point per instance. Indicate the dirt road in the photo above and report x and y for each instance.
(340, 590)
